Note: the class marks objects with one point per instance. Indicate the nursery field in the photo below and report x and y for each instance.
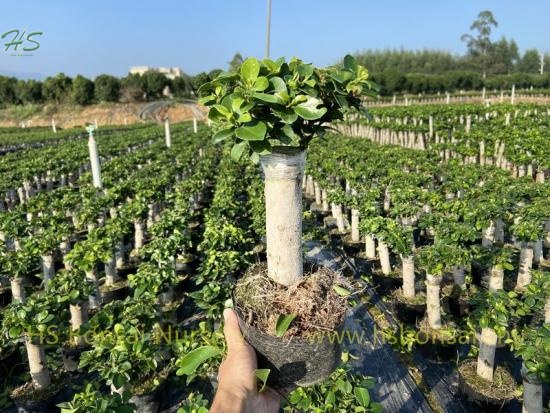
(436, 219)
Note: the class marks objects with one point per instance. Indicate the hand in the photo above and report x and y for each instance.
(237, 391)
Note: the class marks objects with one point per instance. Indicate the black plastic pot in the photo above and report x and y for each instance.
(47, 405)
(187, 267)
(146, 403)
(456, 305)
(408, 313)
(119, 292)
(364, 265)
(385, 283)
(296, 362)
(126, 270)
(71, 357)
(352, 248)
(478, 400)
(436, 351)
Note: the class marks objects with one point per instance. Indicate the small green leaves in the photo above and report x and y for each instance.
(252, 131)
(283, 323)
(341, 291)
(222, 135)
(237, 151)
(261, 84)
(266, 97)
(262, 375)
(350, 63)
(192, 360)
(250, 70)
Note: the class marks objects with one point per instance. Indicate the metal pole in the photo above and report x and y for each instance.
(268, 34)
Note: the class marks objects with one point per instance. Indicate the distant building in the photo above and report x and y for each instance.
(169, 72)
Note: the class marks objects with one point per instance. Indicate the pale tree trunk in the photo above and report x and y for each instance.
(339, 216)
(47, 267)
(65, 247)
(458, 275)
(370, 247)
(310, 188)
(318, 197)
(79, 317)
(384, 254)
(487, 350)
(94, 297)
(525, 265)
(110, 271)
(139, 235)
(37, 364)
(17, 290)
(283, 199)
(119, 254)
(537, 251)
(532, 392)
(408, 276)
(324, 197)
(355, 225)
(496, 278)
(433, 302)
(488, 236)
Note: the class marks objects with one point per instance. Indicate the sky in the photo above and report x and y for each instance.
(90, 38)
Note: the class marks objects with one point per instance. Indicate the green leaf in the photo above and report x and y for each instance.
(192, 360)
(261, 84)
(262, 375)
(266, 97)
(237, 151)
(362, 396)
(283, 323)
(286, 115)
(261, 147)
(341, 290)
(250, 70)
(252, 131)
(308, 110)
(278, 84)
(222, 135)
(350, 63)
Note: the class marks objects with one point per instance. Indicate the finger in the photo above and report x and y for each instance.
(231, 330)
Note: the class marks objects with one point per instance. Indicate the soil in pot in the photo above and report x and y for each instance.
(29, 400)
(147, 395)
(482, 394)
(127, 269)
(117, 291)
(385, 284)
(304, 355)
(409, 310)
(437, 345)
(351, 247)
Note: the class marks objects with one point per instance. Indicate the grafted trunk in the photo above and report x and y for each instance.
(37, 364)
(17, 290)
(525, 265)
(384, 254)
(318, 197)
(110, 271)
(283, 198)
(487, 350)
(488, 236)
(537, 252)
(370, 247)
(94, 298)
(355, 237)
(458, 275)
(139, 235)
(496, 278)
(47, 267)
(433, 302)
(79, 317)
(119, 254)
(532, 392)
(408, 276)
(339, 216)
(324, 197)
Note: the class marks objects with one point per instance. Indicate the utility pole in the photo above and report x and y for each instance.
(268, 33)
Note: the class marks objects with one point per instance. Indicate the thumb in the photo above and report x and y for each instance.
(231, 330)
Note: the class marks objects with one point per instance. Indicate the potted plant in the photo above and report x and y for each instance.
(16, 265)
(271, 110)
(482, 382)
(91, 399)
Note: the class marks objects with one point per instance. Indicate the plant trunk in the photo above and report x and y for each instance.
(110, 271)
(318, 197)
(370, 247)
(408, 276)
(324, 197)
(433, 302)
(94, 298)
(47, 267)
(496, 278)
(79, 317)
(487, 350)
(384, 254)
(283, 199)
(525, 265)
(458, 275)
(17, 290)
(547, 311)
(37, 365)
(532, 392)
(119, 255)
(537, 251)
(139, 235)
(339, 216)
(355, 237)
(488, 236)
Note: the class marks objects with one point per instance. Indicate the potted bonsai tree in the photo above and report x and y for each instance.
(271, 110)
